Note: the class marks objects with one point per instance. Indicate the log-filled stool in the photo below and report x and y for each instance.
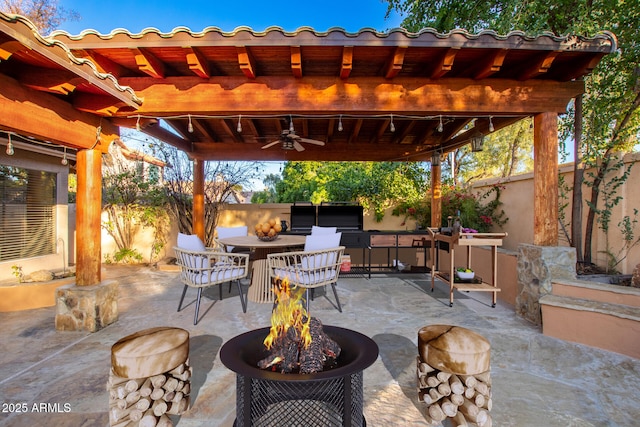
(149, 378)
(453, 369)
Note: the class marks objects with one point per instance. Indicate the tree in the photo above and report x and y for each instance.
(611, 120)
(46, 15)
(375, 185)
(222, 181)
(269, 194)
(131, 201)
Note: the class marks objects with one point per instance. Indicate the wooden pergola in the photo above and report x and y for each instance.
(393, 96)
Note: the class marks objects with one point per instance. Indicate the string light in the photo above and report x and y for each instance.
(340, 124)
(64, 158)
(190, 126)
(9, 147)
(138, 123)
(491, 128)
(239, 128)
(291, 129)
(440, 127)
(392, 127)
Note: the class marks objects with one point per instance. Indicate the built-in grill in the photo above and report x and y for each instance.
(345, 216)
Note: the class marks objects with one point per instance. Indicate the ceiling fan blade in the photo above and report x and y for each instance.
(312, 141)
(271, 144)
(297, 146)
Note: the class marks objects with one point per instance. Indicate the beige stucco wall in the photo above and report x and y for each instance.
(517, 198)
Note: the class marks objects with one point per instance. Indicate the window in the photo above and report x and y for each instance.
(27, 213)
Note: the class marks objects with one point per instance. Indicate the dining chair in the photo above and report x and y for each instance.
(316, 266)
(201, 268)
(316, 229)
(224, 232)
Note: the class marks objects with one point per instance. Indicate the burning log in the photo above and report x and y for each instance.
(296, 342)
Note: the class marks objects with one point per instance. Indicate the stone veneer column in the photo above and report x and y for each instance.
(86, 308)
(537, 267)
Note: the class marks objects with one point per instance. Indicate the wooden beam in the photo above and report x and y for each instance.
(149, 64)
(492, 65)
(245, 61)
(382, 127)
(98, 104)
(296, 62)
(8, 48)
(198, 63)
(347, 62)
(445, 63)
(356, 131)
(394, 64)
(45, 116)
(334, 152)
(541, 66)
(362, 95)
(61, 82)
(170, 138)
(102, 63)
(545, 179)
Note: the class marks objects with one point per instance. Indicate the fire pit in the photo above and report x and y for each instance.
(332, 397)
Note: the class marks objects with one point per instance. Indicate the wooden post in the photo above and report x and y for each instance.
(198, 198)
(545, 179)
(88, 223)
(436, 196)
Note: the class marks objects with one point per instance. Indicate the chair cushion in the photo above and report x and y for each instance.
(315, 229)
(231, 232)
(299, 276)
(215, 276)
(190, 242)
(322, 241)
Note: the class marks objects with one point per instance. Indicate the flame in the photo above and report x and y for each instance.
(289, 312)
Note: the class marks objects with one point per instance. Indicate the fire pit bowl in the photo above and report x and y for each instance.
(329, 398)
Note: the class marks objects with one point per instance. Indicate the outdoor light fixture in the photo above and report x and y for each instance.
(435, 159)
(392, 127)
(340, 124)
(138, 123)
(190, 127)
(239, 128)
(440, 127)
(491, 128)
(291, 129)
(64, 158)
(9, 146)
(477, 142)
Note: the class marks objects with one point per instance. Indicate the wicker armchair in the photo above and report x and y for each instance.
(308, 269)
(200, 269)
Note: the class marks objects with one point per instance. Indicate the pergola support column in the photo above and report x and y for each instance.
(89, 304)
(436, 195)
(545, 179)
(198, 198)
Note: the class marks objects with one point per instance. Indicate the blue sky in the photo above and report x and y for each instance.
(135, 15)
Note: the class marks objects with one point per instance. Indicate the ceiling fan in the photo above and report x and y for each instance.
(290, 141)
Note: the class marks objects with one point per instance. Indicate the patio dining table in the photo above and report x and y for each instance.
(260, 289)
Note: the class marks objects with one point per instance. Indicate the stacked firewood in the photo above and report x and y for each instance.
(148, 402)
(463, 398)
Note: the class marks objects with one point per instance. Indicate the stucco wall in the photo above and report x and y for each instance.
(517, 198)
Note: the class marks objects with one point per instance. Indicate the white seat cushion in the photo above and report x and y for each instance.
(190, 242)
(322, 241)
(323, 230)
(224, 232)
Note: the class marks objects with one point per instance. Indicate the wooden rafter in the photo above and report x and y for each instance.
(198, 63)
(149, 64)
(492, 65)
(296, 62)
(443, 66)
(394, 65)
(245, 62)
(541, 66)
(347, 62)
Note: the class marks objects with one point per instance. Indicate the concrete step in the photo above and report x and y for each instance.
(602, 292)
(610, 326)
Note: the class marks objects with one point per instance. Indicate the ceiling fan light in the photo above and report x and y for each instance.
(477, 143)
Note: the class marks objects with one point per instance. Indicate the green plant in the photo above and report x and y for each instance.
(16, 270)
(477, 211)
(125, 256)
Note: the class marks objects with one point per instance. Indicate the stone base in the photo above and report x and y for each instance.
(537, 267)
(86, 308)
